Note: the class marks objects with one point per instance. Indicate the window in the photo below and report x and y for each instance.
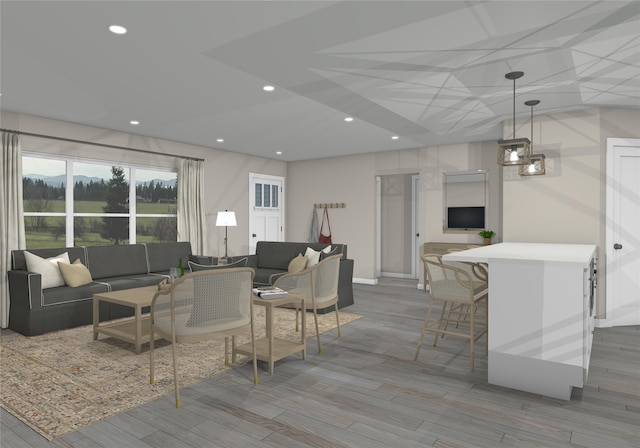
(266, 195)
(101, 208)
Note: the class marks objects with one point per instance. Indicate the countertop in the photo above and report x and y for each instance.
(547, 252)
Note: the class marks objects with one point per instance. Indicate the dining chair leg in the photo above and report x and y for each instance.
(151, 358)
(338, 321)
(315, 318)
(175, 371)
(444, 308)
(424, 329)
(473, 335)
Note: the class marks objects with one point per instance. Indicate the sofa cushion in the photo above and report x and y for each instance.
(64, 294)
(335, 250)
(117, 260)
(194, 267)
(75, 274)
(131, 281)
(47, 268)
(19, 262)
(263, 276)
(163, 256)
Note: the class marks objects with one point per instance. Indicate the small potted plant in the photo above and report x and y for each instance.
(487, 235)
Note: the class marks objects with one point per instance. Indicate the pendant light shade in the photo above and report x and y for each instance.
(516, 151)
(536, 165)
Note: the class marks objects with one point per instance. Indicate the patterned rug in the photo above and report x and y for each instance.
(62, 381)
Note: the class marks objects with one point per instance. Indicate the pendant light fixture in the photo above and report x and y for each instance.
(536, 165)
(515, 151)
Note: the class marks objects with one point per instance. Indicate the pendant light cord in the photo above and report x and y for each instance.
(514, 108)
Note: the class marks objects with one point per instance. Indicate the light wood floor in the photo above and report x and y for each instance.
(366, 391)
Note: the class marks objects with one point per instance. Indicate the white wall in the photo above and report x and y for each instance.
(226, 173)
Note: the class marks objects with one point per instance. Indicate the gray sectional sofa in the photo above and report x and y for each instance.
(34, 310)
(272, 260)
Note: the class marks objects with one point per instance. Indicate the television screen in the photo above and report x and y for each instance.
(465, 218)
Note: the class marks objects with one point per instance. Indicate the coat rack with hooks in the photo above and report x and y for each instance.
(331, 205)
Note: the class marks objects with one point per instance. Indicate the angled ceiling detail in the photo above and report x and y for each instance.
(430, 72)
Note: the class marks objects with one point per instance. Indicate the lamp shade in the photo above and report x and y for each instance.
(226, 218)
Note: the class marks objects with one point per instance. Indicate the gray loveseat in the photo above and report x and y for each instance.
(272, 260)
(34, 310)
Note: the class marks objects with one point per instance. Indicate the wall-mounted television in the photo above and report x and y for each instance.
(465, 218)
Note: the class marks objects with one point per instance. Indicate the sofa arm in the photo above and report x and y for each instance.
(345, 283)
(25, 290)
(203, 259)
(252, 260)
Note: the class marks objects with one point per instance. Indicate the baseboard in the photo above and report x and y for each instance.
(365, 281)
(396, 275)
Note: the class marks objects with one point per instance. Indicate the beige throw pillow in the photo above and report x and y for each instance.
(75, 274)
(298, 264)
(47, 268)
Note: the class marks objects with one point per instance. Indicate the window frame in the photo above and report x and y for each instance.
(69, 213)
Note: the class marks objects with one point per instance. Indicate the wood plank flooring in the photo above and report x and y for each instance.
(366, 391)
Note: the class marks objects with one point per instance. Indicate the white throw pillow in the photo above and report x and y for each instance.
(47, 268)
(313, 256)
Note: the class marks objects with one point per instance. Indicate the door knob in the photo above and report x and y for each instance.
(254, 235)
(617, 246)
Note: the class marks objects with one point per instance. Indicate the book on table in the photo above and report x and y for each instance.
(270, 292)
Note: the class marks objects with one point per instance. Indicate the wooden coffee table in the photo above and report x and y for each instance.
(136, 330)
(270, 348)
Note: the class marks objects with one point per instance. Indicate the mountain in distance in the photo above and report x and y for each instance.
(56, 181)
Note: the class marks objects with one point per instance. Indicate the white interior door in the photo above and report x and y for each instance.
(623, 232)
(415, 228)
(266, 209)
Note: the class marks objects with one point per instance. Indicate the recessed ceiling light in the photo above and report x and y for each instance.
(219, 140)
(395, 137)
(268, 88)
(348, 119)
(278, 152)
(134, 122)
(117, 29)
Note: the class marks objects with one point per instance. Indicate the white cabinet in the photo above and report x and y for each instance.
(540, 314)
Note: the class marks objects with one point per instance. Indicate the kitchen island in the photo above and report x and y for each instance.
(541, 314)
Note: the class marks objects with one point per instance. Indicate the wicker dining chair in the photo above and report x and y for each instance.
(463, 300)
(204, 305)
(318, 285)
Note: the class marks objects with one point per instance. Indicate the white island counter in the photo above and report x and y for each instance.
(540, 314)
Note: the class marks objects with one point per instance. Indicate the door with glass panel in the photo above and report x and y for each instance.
(266, 209)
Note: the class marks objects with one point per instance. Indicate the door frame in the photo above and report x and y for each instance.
(251, 231)
(415, 226)
(611, 300)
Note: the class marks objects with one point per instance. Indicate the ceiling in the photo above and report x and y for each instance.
(430, 72)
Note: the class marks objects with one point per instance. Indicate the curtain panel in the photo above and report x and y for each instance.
(12, 216)
(191, 205)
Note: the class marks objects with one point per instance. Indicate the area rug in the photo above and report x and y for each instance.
(62, 381)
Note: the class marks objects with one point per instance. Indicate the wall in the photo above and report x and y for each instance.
(567, 205)
(341, 179)
(226, 173)
(352, 180)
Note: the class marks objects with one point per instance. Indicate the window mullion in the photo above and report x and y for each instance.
(68, 204)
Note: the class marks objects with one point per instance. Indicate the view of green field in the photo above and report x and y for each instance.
(48, 232)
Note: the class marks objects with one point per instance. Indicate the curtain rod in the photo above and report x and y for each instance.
(103, 145)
